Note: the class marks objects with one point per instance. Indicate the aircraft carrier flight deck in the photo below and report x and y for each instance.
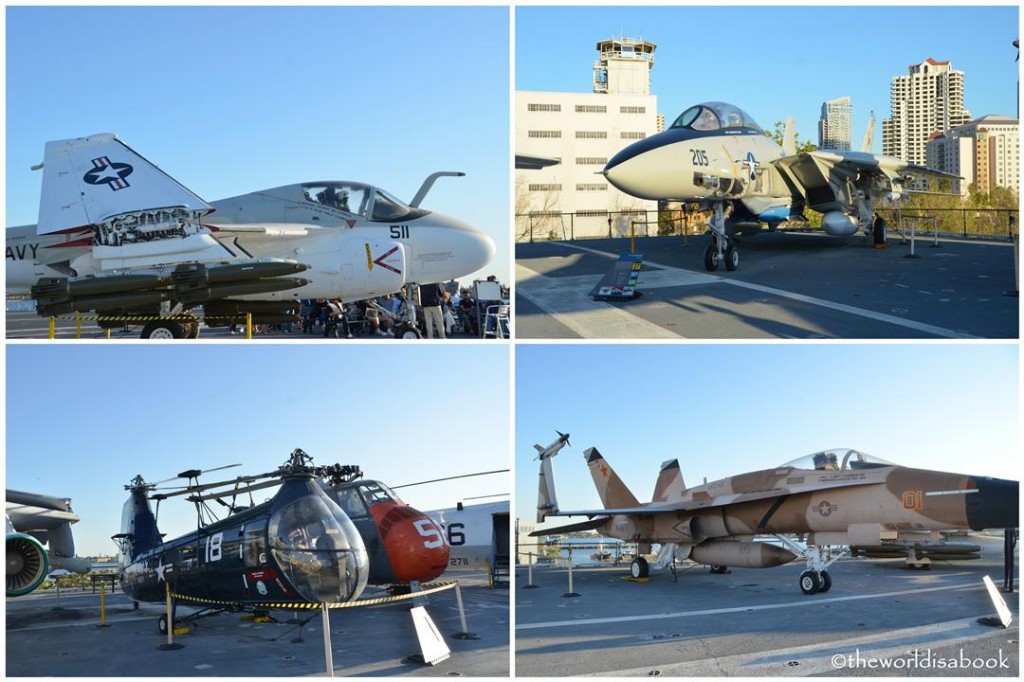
(367, 641)
(788, 285)
(879, 619)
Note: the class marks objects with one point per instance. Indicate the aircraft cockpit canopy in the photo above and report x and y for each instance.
(838, 459)
(357, 498)
(711, 116)
(319, 549)
(367, 201)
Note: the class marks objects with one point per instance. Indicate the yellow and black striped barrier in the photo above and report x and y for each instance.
(430, 588)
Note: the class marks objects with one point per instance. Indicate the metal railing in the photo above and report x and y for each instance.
(967, 223)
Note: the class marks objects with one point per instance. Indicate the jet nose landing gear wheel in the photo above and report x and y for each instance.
(164, 329)
(732, 258)
(639, 568)
(810, 583)
(711, 258)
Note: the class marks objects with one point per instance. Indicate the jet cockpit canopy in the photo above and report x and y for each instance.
(838, 459)
(361, 199)
(712, 116)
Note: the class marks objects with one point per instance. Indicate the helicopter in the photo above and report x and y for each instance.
(299, 547)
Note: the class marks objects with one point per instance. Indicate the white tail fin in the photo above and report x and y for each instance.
(789, 138)
(869, 134)
(547, 502)
(89, 179)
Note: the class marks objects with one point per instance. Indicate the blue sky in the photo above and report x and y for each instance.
(776, 62)
(229, 100)
(732, 408)
(83, 420)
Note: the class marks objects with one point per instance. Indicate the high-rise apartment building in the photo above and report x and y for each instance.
(583, 131)
(984, 152)
(929, 99)
(834, 126)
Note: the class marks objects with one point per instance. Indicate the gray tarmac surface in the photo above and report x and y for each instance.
(368, 641)
(788, 285)
(756, 622)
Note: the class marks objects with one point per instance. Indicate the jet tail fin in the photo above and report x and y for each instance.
(547, 502)
(670, 482)
(789, 138)
(89, 179)
(613, 492)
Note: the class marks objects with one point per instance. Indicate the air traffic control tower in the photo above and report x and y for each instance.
(624, 66)
(582, 130)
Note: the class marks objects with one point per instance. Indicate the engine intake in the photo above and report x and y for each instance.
(27, 564)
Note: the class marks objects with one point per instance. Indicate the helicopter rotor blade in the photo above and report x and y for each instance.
(449, 478)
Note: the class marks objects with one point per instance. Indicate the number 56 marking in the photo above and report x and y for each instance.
(432, 536)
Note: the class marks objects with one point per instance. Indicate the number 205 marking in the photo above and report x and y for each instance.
(432, 536)
(699, 157)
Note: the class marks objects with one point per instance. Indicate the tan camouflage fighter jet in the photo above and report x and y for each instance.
(834, 497)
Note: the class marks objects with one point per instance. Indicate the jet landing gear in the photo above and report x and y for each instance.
(639, 568)
(722, 248)
(816, 578)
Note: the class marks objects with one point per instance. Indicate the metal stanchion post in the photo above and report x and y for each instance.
(248, 326)
(78, 324)
(53, 328)
(170, 645)
(935, 233)
(328, 654)
(913, 234)
(529, 572)
(465, 634)
(103, 606)
(570, 593)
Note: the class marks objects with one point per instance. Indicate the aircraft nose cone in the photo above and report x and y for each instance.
(648, 169)
(473, 247)
(995, 505)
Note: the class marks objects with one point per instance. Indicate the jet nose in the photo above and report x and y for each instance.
(648, 169)
(995, 505)
(467, 249)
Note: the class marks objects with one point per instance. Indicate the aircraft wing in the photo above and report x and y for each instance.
(571, 528)
(825, 177)
(702, 500)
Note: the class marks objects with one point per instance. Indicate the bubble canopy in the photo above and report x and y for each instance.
(711, 116)
(839, 459)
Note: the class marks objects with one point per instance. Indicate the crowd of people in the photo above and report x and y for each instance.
(440, 314)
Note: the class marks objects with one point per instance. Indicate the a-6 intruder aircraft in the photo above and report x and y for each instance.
(717, 155)
(34, 520)
(118, 236)
(834, 497)
(299, 547)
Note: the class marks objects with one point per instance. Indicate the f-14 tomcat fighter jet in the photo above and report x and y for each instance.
(118, 236)
(716, 154)
(834, 497)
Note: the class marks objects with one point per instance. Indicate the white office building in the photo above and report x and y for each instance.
(834, 125)
(984, 152)
(929, 99)
(584, 130)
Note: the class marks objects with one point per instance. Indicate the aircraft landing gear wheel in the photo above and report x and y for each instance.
(162, 624)
(711, 258)
(192, 330)
(719, 570)
(826, 582)
(163, 329)
(639, 568)
(809, 582)
(732, 258)
(404, 331)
